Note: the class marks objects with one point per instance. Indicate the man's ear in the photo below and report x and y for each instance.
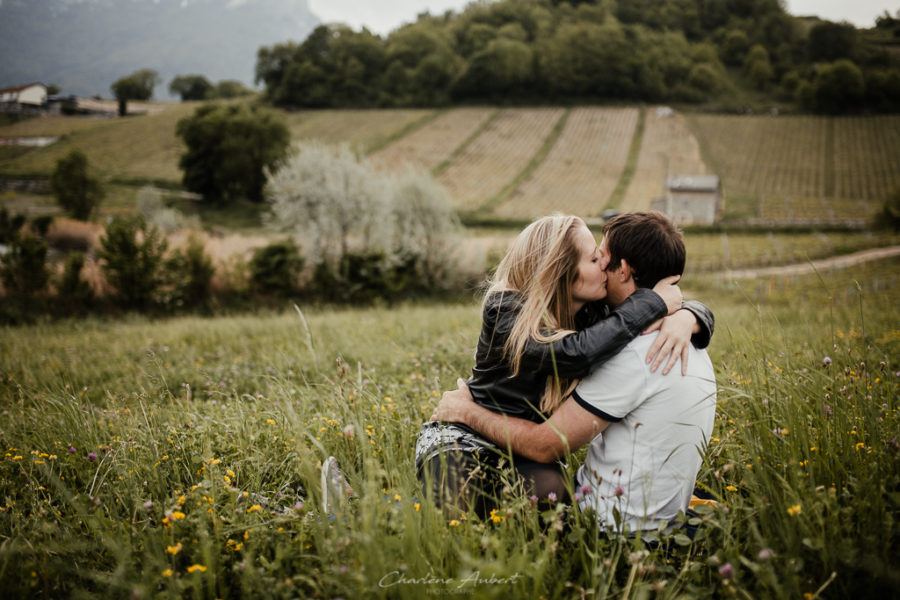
(625, 271)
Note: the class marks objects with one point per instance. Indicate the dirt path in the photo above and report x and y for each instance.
(835, 262)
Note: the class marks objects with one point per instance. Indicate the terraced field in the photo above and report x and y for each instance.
(667, 148)
(497, 155)
(582, 168)
(428, 147)
(363, 130)
(866, 156)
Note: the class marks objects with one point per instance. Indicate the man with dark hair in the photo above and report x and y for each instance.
(646, 430)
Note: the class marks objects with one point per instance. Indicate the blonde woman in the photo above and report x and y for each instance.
(543, 328)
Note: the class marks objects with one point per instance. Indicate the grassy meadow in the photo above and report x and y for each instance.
(180, 458)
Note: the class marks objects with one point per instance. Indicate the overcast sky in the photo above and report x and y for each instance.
(386, 15)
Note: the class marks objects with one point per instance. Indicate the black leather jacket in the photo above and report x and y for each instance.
(492, 384)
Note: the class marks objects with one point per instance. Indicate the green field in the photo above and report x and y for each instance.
(180, 458)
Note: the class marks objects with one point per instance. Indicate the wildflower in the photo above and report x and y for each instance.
(860, 445)
(298, 506)
(148, 504)
(181, 500)
(585, 490)
(795, 510)
(397, 497)
(230, 473)
(416, 506)
(496, 518)
(731, 488)
(726, 571)
(173, 550)
(92, 457)
(72, 449)
(533, 499)
(764, 554)
(619, 491)
(551, 496)
(254, 508)
(827, 410)
(826, 361)
(167, 573)
(270, 421)
(178, 515)
(195, 568)
(454, 523)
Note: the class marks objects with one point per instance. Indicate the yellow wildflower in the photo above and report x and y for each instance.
(270, 421)
(731, 488)
(195, 568)
(454, 523)
(178, 515)
(795, 510)
(173, 550)
(495, 517)
(167, 573)
(254, 508)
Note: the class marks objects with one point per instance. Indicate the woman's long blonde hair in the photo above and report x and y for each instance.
(542, 266)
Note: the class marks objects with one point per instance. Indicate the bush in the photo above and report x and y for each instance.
(74, 295)
(10, 226)
(76, 190)
(889, 215)
(275, 269)
(133, 256)
(187, 275)
(23, 269)
(363, 225)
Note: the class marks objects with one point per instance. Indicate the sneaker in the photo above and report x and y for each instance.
(335, 489)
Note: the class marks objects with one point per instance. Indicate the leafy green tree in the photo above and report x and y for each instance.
(734, 47)
(137, 86)
(229, 148)
(229, 88)
(838, 87)
(132, 255)
(757, 67)
(76, 190)
(191, 87)
(505, 66)
(829, 41)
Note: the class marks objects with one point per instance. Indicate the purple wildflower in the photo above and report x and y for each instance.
(148, 504)
(826, 361)
(72, 449)
(726, 571)
(619, 491)
(827, 410)
(92, 456)
(764, 554)
(551, 496)
(585, 490)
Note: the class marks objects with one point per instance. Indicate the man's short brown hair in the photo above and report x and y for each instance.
(649, 242)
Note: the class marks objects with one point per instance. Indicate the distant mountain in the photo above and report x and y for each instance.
(83, 46)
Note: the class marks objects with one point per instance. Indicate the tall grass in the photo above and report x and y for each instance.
(180, 458)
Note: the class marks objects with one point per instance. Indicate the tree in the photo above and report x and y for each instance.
(76, 190)
(830, 41)
(228, 150)
(327, 196)
(757, 67)
(137, 86)
(191, 87)
(133, 254)
(838, 87)
(229, 88)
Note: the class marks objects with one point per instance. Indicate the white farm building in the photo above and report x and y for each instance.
(692, 199)
(19, 97)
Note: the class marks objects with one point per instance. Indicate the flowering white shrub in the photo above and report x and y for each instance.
(338, 204)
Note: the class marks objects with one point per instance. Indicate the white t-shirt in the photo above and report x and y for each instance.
(652, 448)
